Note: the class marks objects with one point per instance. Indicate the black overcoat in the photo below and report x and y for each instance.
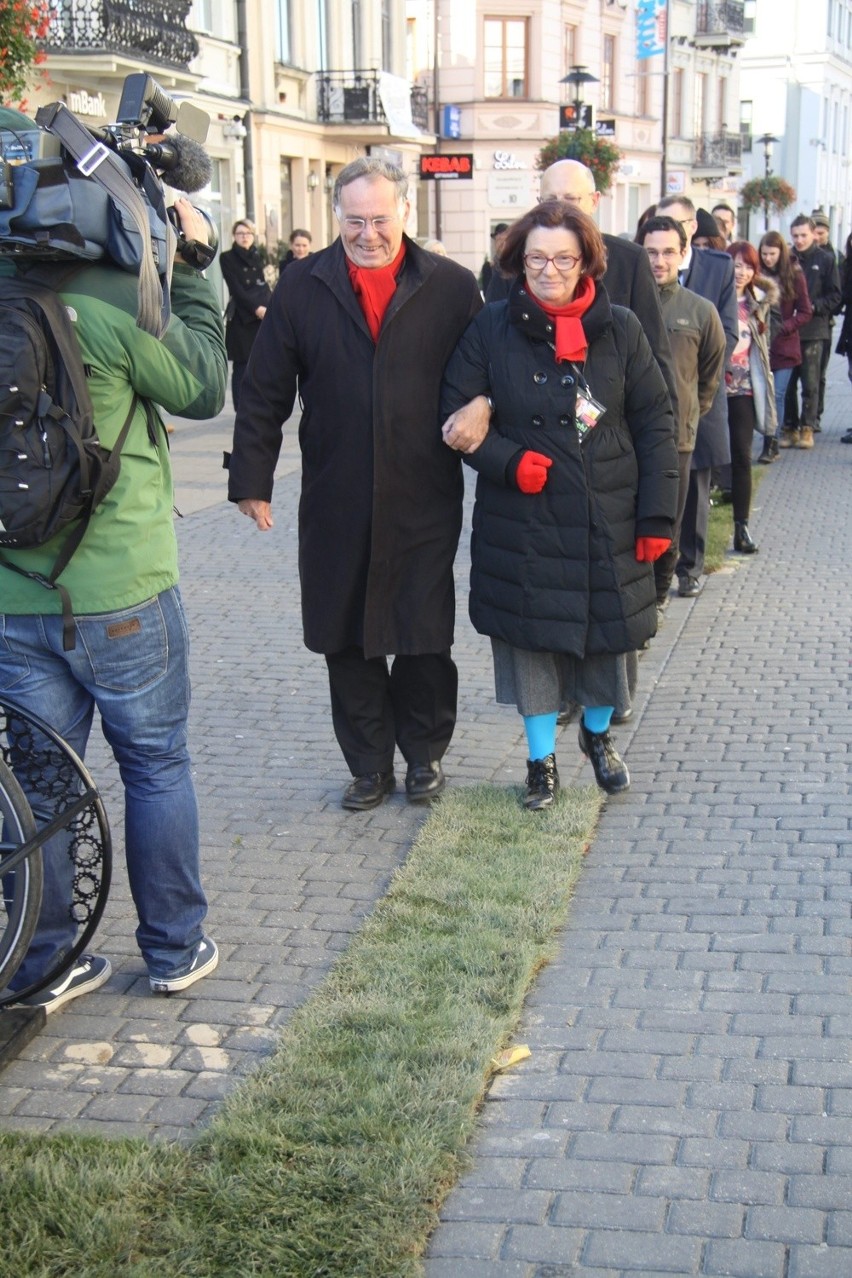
(556, 571)
(242, 271)
(381, 505)
(711, 275)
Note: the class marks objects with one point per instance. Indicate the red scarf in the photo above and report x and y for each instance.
(374, 287)
(571, 342)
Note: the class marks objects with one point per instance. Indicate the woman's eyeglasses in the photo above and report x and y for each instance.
(564, 262)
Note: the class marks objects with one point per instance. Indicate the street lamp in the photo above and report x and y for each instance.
(767, 141)
(577, 77)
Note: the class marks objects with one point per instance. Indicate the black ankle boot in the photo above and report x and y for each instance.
(610, 769)
(743, 543)
(542, 783)
(767, 455)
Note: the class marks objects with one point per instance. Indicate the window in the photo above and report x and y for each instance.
(749, 16)
(569, 47)
(322, 36)
(607, 96)
(677, 102)
(387, 36)
(505, 57)
(722, 104)
(699, 106)
(356, 35)
(214, 18)
(283, 52)
(642, 88)
(746, 111)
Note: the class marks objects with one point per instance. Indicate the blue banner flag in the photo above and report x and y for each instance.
(651, 27)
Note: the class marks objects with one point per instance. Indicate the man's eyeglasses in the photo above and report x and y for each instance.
(564, 262)
(358, 224)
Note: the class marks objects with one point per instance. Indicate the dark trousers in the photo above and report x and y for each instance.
(664, 566)
(741, 422)
(808, 373)
(823, 370)
(373, 708)
(239, 372)
(693, 529)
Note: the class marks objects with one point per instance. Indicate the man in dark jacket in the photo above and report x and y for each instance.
(362, 331)
(710, 274)
(627, 279)
(698, 347)
(820, 270)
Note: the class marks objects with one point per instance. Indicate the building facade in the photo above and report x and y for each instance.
(297, 88)
(796, 99)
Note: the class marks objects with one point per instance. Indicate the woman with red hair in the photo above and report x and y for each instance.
(748, 379)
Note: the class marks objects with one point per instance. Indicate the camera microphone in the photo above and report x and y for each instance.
(183, 164)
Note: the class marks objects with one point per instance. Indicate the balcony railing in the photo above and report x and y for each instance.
(153, 30)
(352, 97)
(718, 151)
(720, 22)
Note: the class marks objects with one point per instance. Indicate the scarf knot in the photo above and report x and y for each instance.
(571, 342)
(374, 286)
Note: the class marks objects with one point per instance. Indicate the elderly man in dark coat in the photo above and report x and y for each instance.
(362, 331)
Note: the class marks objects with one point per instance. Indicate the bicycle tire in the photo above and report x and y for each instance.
(22, 887)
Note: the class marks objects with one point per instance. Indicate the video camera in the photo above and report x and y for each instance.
(69, 191)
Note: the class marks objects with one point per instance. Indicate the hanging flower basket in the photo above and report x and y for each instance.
(584, 145)
(23, 31)
(772, 191)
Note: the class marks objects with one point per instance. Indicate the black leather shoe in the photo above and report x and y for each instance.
(688, 587)
(610, 769)
(623, 718)
(542, 783)
(424, 781)
(743, 543)
(368, 791)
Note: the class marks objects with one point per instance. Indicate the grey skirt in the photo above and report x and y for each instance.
(541, 682)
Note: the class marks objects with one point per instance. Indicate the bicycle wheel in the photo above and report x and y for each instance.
(21, 878)
(66, 805)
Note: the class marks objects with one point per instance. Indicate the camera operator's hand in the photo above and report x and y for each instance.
(191, 223)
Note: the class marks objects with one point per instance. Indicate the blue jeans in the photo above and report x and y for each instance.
(132, 665)
(781, 378)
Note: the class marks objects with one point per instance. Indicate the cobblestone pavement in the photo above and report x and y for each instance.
(688, 1105)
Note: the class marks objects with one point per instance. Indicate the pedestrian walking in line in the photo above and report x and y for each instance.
(576, 492)
(786, 317)
(820, 271)
(698, 350)
(361, 331)
(748, 382)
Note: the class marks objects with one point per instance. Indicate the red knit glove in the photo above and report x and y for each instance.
(531, 475)
(649, 549)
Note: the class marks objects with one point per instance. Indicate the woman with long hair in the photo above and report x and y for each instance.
(748, 380)
(786, 316)
(576, 492)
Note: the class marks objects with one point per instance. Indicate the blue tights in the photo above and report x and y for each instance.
(541, 728)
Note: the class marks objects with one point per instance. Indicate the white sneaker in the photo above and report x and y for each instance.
(86, 975)
(204, 960)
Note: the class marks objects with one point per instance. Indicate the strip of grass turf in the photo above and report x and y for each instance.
(334, 1157)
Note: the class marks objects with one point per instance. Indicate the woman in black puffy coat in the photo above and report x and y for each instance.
(242, 271)
(577, 489)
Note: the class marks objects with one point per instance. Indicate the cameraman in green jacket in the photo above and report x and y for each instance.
(130, 659)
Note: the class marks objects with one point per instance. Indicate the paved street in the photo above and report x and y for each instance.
(687, 1108)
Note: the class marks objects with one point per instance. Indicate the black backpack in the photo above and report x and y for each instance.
(53, 470)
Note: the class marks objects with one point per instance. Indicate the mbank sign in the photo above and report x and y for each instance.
(451, 165)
